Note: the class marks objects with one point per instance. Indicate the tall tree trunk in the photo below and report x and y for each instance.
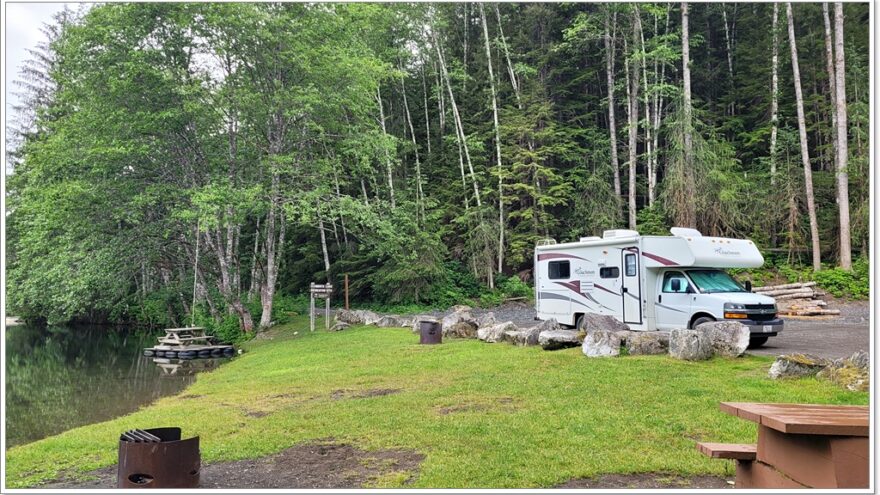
(774, 95)
(829, 63)
(649, 151)
(690, 215)
(610, 37)
(842, 144)
(802, 131)
(632, 107)
(385, 146)
(427, 117)
(420, 205)
(727, 42)
(256, 266)
(324, 250)
(455, 114)
(510, 72)
(275, 226)
(497, 141)
(658, 111)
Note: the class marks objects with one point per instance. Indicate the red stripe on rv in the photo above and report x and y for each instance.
(550, 256)
(660, 259)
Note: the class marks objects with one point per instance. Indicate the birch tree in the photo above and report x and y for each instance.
(689, 214)
(610, 38)
(774, 93)
(842, 145)
(805, 152)
(497, 141)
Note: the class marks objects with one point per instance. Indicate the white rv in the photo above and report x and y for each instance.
(652, 282)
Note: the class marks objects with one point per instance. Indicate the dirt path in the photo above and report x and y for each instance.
(318, 465)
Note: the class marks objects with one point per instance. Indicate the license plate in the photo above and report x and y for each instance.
(768, 328)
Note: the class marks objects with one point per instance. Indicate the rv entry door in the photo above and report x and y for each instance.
(631, 289)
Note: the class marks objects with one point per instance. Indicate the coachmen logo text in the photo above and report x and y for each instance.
(581, 271)
(725, 252)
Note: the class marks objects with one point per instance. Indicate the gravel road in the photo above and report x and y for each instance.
(827, 336)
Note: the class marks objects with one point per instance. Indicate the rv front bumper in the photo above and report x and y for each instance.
(766, 328)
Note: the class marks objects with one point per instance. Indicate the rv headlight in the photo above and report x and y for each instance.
(734, 306)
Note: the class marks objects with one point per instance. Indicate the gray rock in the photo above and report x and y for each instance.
(529, 336)
(486, 320)
(647, 343)
(625, 335)
(797, 365)
(461, 329)
(458, 308)
(690, 345)
(393, 321)
(852, 373)
(496, 333)
(601, 343)
(559, 339)
(729, 338)
(357, 317)
(339, 326)
(594, 321)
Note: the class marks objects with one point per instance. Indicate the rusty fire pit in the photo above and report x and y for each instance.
(158, 458)
(430, 332)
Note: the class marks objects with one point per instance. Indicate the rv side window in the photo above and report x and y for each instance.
(609, 272)
(682, 282)
(630, 260)
(559, 269)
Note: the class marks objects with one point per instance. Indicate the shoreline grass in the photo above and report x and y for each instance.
(485, 415)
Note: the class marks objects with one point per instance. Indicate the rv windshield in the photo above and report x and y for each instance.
(709, 281)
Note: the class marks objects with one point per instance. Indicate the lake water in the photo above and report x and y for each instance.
(58, 377)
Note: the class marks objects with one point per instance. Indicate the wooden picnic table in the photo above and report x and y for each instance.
(183, 336)
(799, 446)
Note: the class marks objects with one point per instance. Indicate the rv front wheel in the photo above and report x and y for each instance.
(756, 342)
(699, 321)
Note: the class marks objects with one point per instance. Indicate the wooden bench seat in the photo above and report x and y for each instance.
(738, 451)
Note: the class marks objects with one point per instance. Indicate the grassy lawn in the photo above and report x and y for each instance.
(484, 415)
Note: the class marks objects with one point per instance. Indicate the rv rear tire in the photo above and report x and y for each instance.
(756, 342)
(703, 319)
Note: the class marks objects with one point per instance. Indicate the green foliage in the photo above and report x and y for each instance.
(842, 283)
(652, 221)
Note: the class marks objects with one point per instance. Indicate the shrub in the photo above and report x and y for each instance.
(843, 283)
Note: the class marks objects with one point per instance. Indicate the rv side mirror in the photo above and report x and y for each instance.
(748, 285)
(676, 285)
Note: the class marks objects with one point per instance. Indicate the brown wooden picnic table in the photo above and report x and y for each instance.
(799, 446)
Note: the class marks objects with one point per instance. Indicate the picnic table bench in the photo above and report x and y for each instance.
(799, 446)
(182, 336)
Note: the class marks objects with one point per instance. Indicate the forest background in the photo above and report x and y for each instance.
(422, 149)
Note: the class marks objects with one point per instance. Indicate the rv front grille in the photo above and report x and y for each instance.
(760, 306)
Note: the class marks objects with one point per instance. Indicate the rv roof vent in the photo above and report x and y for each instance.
(612, 234)
(591, 238)
(546, 242)
(685, 232)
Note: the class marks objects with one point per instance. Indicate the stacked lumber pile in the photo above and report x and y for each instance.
(798, 299)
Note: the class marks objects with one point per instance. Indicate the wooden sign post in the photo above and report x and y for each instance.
(320, 291)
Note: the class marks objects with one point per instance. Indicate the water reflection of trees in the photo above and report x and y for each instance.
(59, 378)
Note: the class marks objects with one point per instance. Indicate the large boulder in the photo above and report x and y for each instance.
(496, 333)
(797, 365)
(646, 343)
(601, 343)
(529, 336)
(852, 373)
(485, 319)
(357, 317)
(394, 321)
(729, 338)
(462, 324)
(551, 340)
(595, 321)
(690, 345)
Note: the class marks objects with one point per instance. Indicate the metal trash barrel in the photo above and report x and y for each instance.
(430, 332)
(158, 458)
